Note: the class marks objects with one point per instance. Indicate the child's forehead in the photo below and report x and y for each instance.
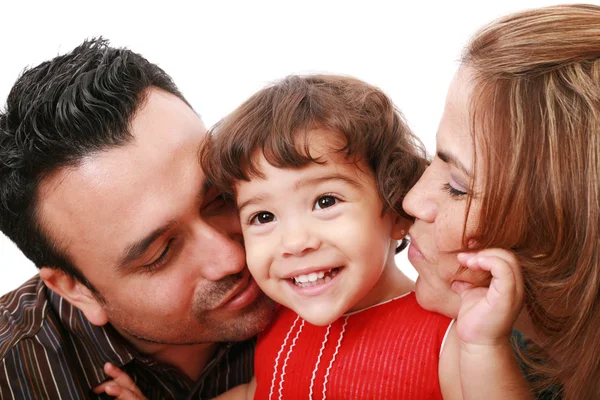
(322, 136)
(316, 141)
(316, 150)
(328, 162)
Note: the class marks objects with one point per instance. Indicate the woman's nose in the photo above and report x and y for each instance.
(420, 201)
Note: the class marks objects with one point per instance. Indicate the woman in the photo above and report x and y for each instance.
(517, 167)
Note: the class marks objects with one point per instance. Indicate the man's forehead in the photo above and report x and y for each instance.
(164, 120)
(116, 196)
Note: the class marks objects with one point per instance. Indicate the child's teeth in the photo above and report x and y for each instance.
(314, 277)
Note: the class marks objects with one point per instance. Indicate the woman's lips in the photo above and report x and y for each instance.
(414, 253)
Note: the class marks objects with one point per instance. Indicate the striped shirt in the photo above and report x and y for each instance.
(49, 350)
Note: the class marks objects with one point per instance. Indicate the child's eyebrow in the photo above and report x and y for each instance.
(306, 182)
(325, 178)
(250, 201)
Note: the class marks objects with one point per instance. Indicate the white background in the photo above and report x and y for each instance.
(221, 52)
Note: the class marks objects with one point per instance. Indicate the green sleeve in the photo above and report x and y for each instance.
(518, 340)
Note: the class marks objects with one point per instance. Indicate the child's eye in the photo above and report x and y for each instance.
(325, 202)
(262, 217)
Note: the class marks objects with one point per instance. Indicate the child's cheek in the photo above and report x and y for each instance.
(257, 258)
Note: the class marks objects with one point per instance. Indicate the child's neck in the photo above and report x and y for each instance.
(392, 283)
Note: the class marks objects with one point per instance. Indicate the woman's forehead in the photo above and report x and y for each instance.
(454, 133)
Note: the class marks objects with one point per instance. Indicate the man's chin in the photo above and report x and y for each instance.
(237, 325)
(215, 327)
(248, 322)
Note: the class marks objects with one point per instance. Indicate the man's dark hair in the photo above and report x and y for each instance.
(56, 114)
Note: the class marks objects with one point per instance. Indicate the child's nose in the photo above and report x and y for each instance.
(298, 240)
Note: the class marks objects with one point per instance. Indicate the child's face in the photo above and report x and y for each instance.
(316, 240)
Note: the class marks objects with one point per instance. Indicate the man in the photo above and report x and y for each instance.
(141, 261)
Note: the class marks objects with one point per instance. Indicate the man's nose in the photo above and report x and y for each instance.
(218, 248)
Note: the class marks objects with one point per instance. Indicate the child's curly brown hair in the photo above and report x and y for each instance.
(275, 122)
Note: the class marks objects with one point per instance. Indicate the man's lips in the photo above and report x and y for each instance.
(241, 295)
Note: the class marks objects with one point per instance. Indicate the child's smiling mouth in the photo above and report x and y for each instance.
(315, 278)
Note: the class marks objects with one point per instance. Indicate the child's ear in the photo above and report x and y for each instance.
(401, 227)
(75, 293)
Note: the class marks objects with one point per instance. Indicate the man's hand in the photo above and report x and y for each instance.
(121, 386)
(487, 314)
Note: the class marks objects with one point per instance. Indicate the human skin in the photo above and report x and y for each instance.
(323, 217)
(188, 286)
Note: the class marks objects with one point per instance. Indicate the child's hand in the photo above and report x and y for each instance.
(487, 314)
(121, 386)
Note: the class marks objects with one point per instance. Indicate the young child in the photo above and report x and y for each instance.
(319, 166)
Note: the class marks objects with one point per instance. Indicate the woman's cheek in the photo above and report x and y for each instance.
(448, 240)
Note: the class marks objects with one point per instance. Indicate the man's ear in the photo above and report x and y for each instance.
(75, 293)
(401, 227)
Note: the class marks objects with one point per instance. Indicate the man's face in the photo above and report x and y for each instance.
(162, 249)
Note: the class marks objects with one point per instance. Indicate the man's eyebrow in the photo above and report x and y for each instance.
(138, 248)
(451, 159)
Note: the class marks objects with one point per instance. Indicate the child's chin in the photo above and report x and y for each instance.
(320, 319)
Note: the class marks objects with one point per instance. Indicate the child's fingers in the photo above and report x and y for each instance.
(507, 282)
(121, 378)
(510, 269)
(112, 389)
(505, 255)
(101, 388)
(122, 393)
(120, 384)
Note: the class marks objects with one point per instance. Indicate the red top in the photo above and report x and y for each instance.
(388, 351)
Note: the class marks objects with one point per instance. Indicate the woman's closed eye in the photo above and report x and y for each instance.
(452, 191)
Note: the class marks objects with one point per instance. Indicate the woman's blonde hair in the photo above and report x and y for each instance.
(536, 125)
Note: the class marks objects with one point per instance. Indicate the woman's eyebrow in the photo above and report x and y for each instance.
(449, 158)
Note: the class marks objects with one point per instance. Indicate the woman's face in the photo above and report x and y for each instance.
(439, 203)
